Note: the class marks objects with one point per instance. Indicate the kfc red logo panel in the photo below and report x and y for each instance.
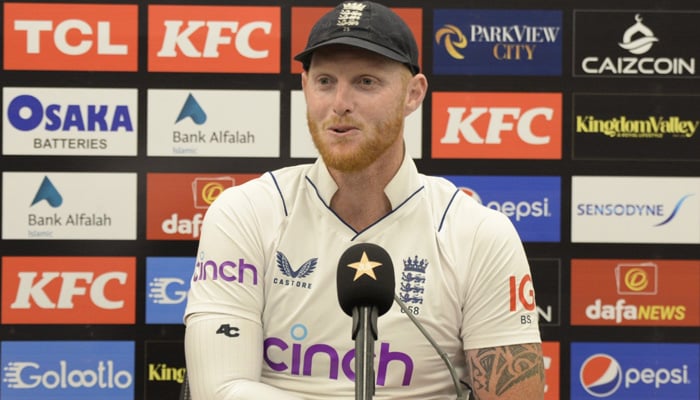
(214, 39)
(68, 290)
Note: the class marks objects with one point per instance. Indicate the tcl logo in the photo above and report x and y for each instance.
(497, 125)
(68, 290)
(214, 39)
(63, 37)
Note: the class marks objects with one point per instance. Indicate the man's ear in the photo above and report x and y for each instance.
(415, 93)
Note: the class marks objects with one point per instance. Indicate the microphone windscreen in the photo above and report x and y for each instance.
(365, 278)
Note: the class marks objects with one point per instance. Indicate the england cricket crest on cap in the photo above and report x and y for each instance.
(413, 280)
(350, 15)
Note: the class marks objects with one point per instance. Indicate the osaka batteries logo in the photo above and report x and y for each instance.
(601, 375)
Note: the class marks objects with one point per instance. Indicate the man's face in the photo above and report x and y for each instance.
(356, 104)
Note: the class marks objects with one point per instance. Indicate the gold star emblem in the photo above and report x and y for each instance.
(364, 267)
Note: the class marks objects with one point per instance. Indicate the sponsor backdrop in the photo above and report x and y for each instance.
(122, 122)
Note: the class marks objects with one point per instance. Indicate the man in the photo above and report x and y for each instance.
(263, 320)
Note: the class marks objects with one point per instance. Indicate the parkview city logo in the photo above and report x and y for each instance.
(224, 39)
(478, 125)
(68, 290)
(70, 121)
(304, 18)
(497, 42)
(635, 292)
(176, 203)
(70, 37)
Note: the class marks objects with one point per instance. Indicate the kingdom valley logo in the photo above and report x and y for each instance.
(647, 44)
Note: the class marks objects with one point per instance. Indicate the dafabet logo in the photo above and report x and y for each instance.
(176, 203)
(70, 37)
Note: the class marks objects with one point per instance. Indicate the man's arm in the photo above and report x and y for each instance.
(514, 372)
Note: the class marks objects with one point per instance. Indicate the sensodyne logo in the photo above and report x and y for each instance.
(657, 211)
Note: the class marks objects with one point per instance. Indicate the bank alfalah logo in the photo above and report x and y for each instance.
(303, 271)
(413, 280)
(47, 191)
(638, 38)
(191, 109)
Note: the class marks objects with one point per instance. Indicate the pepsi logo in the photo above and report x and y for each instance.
(601, 375)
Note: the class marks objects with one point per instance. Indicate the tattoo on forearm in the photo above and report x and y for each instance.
(498, 369)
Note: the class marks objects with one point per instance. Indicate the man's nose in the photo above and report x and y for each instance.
(343, 103)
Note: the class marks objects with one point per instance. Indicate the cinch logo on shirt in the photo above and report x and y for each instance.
(71, 37)
(68, 290)
(226, 270)
(298, 357)
(497, 125)
(214, 39)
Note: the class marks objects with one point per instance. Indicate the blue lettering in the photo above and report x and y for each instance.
(26, 112)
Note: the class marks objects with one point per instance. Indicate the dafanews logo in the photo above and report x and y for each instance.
(551, 358)
(533, 203)
(635, 209)
(167, 283)
(69, 121)
(87, 206)
(176, 203)
(643, 44)
(497, 42)
(68, 290)
(213, 123)
(648, 126)
(224, 39)
(635, 292)
(627, 371)
(497, 125)
(70, 37)
(67, 370)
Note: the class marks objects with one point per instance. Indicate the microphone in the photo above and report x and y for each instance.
(461, 395)
(365, 283)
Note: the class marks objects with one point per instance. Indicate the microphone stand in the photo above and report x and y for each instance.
(364, 333)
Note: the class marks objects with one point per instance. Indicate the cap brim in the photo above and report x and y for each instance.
(305, 55)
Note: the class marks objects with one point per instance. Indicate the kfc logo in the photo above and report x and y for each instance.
(497, 125)
(214, 39)
(68, 290)
(63, 37)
